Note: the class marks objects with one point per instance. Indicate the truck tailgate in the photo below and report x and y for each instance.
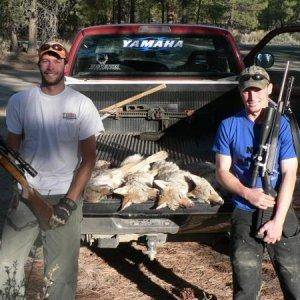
(111, 207)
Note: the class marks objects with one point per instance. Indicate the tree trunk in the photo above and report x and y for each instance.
(53, 26)
(198, 11)
(149, 13)
(231, 15)
(114, 11)
(170, 11)
(119, 11)
(14, 41)
(184, 18)
(32, 28)
(132, 11)
(162, 11)
(54, 22)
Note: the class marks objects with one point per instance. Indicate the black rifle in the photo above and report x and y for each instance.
(13, 163)
(265, 159)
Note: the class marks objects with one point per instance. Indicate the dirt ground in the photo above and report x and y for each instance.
(182, 270)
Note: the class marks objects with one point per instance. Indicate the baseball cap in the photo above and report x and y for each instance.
(253, 76)
(54, 47)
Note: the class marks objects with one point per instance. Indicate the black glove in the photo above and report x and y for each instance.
(62, 211)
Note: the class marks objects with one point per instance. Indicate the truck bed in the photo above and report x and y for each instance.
(187, 139)
(185, 151)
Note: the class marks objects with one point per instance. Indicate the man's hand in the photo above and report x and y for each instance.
(62, 211)
(255, 196)
(271, 232)
(258, 198)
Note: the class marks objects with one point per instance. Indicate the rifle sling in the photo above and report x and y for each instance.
(295, 133)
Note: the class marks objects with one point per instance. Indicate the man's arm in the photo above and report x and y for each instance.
(273, 229)
(255, 196)
(14, 140)
(87, 149)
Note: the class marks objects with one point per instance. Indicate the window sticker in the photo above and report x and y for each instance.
(103, 65)
(96, 67)
(152, 43)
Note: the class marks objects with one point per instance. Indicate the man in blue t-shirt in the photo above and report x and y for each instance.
(236, 143)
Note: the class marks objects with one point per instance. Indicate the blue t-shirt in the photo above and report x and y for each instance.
(238, 137)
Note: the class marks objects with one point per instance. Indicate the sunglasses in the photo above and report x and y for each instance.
(256, 77)
(56, 47)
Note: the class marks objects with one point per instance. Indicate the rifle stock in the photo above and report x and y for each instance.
(265, 215)
(39, 206)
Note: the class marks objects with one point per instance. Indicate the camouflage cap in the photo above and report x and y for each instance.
(254, 76)
(53, 47)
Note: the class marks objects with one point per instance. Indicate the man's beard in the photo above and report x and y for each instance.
(57, 80)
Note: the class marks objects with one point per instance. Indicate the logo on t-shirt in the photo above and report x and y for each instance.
(69, 116)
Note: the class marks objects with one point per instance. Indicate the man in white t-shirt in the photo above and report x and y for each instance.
(54, 129)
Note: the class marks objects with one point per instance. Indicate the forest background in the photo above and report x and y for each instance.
(36, 21)
(181, 267)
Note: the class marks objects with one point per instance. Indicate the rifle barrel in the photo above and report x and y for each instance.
(260, 158)
(288, 92)
(283, 81)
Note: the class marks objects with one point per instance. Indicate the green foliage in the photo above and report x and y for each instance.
(279, 13)
(71, 15)
(216, 11)
(12, 15)
(12, 289)
(90, 12)
(143, 9)
(68, 20)
(243, 14)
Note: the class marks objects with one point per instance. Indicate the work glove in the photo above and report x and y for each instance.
(62, 211)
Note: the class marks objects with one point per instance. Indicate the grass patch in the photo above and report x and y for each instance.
(252, 38)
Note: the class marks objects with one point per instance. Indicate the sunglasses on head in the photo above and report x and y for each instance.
(56, 47)
(256, 77)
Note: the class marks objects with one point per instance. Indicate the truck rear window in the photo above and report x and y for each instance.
(160, 55)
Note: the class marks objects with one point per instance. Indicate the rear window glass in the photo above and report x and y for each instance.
(159, 55)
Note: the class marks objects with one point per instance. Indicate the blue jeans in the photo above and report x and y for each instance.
(247, 255)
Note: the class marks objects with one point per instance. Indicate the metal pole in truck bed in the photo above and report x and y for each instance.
(110, 109)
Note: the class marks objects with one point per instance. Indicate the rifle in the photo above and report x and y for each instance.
(13, 163)
(265, 159)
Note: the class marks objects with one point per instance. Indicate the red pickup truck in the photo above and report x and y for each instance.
(199, 65)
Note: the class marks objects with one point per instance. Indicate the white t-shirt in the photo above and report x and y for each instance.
(52, 126)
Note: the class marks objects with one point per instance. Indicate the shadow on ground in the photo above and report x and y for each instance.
(127, 261)
(217, 241)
